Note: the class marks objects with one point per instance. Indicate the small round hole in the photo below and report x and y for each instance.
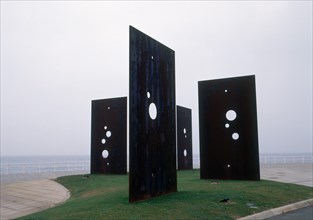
(108, 134)
(103, 141)
(185, 136)
(228, 165)
(152, 111)
(105, 127)
(185, 131)
(235, 136)
(152, 57)
(108, 164)
(109, 107)
(185, 153)
(231, 115)
(226, 125)
(152, 175)
(105, 154)
(226, 90)
(148, 95)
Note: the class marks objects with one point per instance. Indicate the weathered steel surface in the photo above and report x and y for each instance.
(152, 142)
(228, 129)
(109, 136)
(184, 138)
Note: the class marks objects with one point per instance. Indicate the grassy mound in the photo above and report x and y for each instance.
(106, 197)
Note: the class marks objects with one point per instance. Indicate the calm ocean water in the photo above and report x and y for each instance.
(48, 164)
(42, 164)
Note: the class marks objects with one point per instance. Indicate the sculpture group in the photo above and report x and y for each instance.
(227, 123)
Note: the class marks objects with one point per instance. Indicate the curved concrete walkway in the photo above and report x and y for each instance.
(23, 198)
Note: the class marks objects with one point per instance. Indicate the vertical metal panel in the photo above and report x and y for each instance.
(184, 138)
(152, 142)
(224, 155)
(109, 136)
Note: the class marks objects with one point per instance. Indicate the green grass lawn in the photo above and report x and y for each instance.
(106, 197)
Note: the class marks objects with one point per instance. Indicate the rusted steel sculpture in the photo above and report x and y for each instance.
(109, 136)
(152, 125)
(184, 138)
(228, 129)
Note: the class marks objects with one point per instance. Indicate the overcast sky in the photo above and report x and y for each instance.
(58, 56)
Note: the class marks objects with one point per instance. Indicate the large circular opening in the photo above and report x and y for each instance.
(108, 133)
(235, 136)
(152, 111)
(231, 115)
(105, 154)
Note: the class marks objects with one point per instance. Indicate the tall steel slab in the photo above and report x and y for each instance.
(184, 138)
(109, 136)
(152, 123)
(228, 129)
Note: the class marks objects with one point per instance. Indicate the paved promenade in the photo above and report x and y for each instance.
(24, 194)
(298, 173)
(301, 174)
(23, 198)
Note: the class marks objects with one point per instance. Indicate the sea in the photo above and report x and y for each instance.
(81, 163)
(44, 164)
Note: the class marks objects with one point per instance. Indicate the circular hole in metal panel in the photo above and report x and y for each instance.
(108, 133)
(231, 115)
(235, 136)
(153, 111)
(105, 154)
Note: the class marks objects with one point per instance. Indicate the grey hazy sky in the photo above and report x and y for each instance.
(58, 56)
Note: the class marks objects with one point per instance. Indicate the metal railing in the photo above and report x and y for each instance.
(272, 159)
(283, 159)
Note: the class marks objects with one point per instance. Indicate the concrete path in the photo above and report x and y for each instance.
(23, 198)
(301, 173)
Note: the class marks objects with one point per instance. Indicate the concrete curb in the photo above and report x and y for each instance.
(277, 211)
